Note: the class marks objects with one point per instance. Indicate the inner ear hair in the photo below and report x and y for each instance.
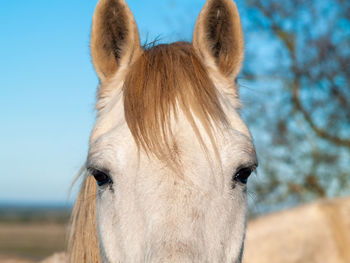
(218, 36)
(114, 37)
(218, 23)
(115, 28)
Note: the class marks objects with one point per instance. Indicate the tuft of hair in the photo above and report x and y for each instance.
(83, 245)
(167, 78)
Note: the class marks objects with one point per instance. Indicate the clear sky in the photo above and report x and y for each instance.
(48, 87)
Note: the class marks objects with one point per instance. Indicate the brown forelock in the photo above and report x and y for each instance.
(164, 79)
(222, 35)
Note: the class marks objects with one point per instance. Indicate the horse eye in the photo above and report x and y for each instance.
(242, 175)
(101, 177)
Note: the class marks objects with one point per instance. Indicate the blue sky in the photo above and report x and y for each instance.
(48, 87)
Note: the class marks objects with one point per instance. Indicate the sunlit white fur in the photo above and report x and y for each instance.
(153, 214)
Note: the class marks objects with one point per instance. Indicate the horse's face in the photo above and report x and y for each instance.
(169, 151)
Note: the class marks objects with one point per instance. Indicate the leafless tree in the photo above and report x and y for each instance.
(302, 117)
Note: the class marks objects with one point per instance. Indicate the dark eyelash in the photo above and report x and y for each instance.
(242, 174)
(102, 177)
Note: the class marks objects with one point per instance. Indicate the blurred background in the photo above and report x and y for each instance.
(295, 88)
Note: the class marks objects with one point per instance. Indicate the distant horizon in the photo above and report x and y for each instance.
(36, 204)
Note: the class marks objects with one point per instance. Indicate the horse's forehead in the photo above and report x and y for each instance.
(111, 119)
(111, 130)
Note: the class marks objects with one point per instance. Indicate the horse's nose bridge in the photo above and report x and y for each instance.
(184, 206)
(173, 253)
(177, 233)
(176, 244)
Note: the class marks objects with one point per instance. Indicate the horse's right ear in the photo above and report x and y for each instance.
(115, 38)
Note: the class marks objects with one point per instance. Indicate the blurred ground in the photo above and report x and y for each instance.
(31, 234)
(14, 259)
(32, 241)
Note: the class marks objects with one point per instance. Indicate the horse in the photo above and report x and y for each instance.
(169, 156)
(314, 232)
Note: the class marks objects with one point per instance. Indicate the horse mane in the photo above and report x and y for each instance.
(164, 79)
(83, 244)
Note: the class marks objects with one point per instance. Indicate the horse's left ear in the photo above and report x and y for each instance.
(218, 37)
(115, 38)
